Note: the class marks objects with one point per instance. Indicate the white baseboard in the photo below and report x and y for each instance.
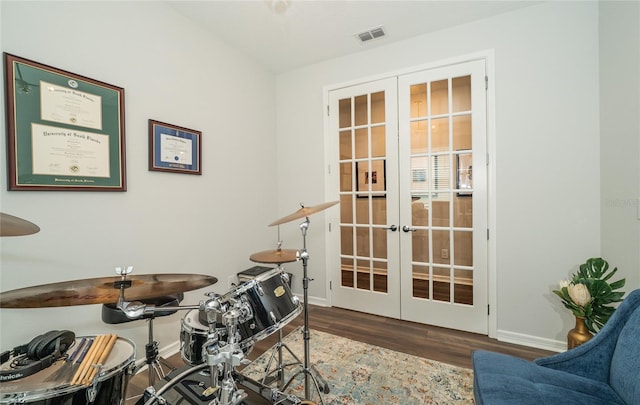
(531, 341)
(502, 335)
(321, 302)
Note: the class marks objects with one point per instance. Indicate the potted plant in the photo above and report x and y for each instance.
(590, 295)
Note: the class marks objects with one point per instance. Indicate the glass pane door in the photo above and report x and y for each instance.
(442, 137)
(366, 130)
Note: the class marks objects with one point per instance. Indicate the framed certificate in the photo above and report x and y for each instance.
(174, 149)
(64, 131)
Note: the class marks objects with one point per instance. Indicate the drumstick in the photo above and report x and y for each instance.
(85, 360)
(76, 352)
(84, 352)
(88, 359)
(96, 354)
(110, 342)
(100, 358)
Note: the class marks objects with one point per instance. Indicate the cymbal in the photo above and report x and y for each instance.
(275, 256)
(304, 212)
(102, 290)
(14, 226)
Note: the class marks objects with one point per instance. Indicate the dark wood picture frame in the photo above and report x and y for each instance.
(174, 149)
(65, 132)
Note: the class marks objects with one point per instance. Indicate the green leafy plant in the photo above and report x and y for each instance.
(590, 295)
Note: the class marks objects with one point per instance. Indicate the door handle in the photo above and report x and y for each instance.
(408, 229)
(393, 228)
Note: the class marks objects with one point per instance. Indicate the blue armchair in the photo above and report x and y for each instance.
(604, 370)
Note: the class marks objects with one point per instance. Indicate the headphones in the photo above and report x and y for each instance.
(40, 353)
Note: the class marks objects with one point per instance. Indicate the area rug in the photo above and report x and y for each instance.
(359, 373)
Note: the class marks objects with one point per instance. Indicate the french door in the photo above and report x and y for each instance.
(412, 240)
(365, 129)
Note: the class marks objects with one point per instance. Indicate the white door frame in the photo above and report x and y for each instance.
(330, 193)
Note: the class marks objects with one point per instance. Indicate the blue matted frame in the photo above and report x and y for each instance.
(174, 149)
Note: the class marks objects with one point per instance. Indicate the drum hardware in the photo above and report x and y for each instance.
(111, 314)
(275, 396)
(190, 385)
(152, 359)
(136, 310)
(155, 395)
(221, 361)
(280, 366)
(218, 335)
(14, 226)
(277, 256)
(308, 371)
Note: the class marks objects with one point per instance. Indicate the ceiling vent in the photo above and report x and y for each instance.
(372, 33)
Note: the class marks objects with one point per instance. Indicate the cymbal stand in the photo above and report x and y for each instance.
(137, 309)
(279, 370)
(310, 372)
(153, 360)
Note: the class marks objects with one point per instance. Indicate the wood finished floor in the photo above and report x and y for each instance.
(440, 344)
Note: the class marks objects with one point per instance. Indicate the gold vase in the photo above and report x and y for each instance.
(578, 335)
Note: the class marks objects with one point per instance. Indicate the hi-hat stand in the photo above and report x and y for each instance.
(310, 372)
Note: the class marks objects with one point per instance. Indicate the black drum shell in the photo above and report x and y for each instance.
(267, 294)
(42, 388)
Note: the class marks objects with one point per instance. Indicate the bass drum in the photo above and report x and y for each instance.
(269, 302)
(51, 385)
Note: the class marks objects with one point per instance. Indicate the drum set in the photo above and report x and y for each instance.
(216, 335)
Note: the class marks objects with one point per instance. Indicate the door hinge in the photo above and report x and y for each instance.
(330, 285)
(329, 226)
(488, 309)
(486, 82)
(487, 233)
(328, 114)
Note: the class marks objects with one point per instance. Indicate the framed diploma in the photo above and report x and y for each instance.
(64, 131)
(174, 149)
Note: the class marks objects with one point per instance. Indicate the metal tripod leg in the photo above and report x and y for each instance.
(279, 370)
(154, 364)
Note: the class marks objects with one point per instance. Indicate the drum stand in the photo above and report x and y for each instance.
(154, 364)
(310, 372)
(279, 370)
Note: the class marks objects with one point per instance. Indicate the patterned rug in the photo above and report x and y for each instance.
(359, 373)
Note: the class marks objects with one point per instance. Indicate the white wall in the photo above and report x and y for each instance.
(546, 145)
(174, 72)
(620, 135)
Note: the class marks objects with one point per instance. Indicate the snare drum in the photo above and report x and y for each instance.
(271, 305)
(51, 385)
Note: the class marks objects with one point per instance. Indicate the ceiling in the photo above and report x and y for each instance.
(286, 34)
